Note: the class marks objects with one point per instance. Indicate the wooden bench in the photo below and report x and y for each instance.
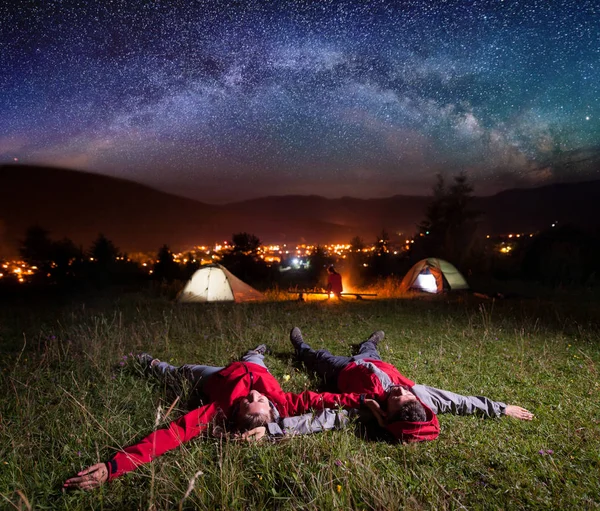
(301, 293)
(359, 295)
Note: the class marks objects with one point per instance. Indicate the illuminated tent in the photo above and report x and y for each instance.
(433, 275)
(213, 283)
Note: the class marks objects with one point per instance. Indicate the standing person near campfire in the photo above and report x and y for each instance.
(334, 282)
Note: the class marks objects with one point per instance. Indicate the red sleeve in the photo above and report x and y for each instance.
(301, 403)
(157, 443)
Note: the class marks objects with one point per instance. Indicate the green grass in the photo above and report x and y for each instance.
(67, 403)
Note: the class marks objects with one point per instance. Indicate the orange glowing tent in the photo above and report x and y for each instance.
(433, 275)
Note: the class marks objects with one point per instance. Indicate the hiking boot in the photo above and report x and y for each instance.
(296, 338)
(146, 360)
(376, 337)
(261, 349)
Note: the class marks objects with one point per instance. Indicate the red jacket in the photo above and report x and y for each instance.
(224, 389)
(358, 378)
(334, 283)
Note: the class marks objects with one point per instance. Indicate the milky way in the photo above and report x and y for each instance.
(223, 101)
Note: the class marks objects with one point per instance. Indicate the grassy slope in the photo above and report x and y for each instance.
(70, 404)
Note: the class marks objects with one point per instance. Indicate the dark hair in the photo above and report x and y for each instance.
(413, 411)
(250, 421)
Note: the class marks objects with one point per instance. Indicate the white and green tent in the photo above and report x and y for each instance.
(214, 283)
(433, 275)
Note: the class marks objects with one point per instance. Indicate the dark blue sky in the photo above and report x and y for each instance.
(223, 101)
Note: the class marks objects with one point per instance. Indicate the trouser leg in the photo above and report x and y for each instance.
(367, 350)
(194, 373)
(255, 358)
(322, 362)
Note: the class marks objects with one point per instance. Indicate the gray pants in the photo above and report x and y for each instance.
(197, 374)
(329, 366)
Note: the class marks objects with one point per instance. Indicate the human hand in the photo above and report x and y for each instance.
(518, 413)
(254, 435)
(91, 477)
(376, 410)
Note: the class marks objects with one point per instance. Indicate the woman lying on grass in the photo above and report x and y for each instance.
(408, 411)
(244, 392)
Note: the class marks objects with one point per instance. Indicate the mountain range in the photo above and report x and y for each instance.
(80, 205)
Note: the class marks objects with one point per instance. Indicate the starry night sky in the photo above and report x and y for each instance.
(223, 101)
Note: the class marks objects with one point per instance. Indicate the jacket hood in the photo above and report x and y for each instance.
(405, 431)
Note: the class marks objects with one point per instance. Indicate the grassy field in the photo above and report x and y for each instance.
(71, 397)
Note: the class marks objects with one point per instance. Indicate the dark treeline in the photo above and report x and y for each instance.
(558, 255)
(562, 255)
(59, 262)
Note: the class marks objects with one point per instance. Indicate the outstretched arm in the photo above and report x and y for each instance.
(155, 444)
(444, 401)
(309, 423)
(306, 401)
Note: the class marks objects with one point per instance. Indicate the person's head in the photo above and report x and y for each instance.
(409, 420)
(411, 411)
(254, 411)
(331, 269)
(403, 405)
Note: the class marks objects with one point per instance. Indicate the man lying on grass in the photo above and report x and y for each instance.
(244, 392)
(408, 411)
(193, 375)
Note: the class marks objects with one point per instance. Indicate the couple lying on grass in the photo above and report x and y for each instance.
(253, 403)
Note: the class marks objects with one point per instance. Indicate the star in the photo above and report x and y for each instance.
(232, 99)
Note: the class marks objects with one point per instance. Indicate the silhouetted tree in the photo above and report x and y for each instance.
(317, 268)
(166, 268)
(435, 224)
(355, 270)
(191, 265)
(244, 261)
(36, 250)
(109, 266)
(380, 261)
(104, 252)
(461, 218)
(102, 266)
(450, 223)
(357, 257)
(36, 247)
(357, 244)
(245, 243)
(67, 259)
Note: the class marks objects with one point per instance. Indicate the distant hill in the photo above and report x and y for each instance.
(534, 209)
(80, 205)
